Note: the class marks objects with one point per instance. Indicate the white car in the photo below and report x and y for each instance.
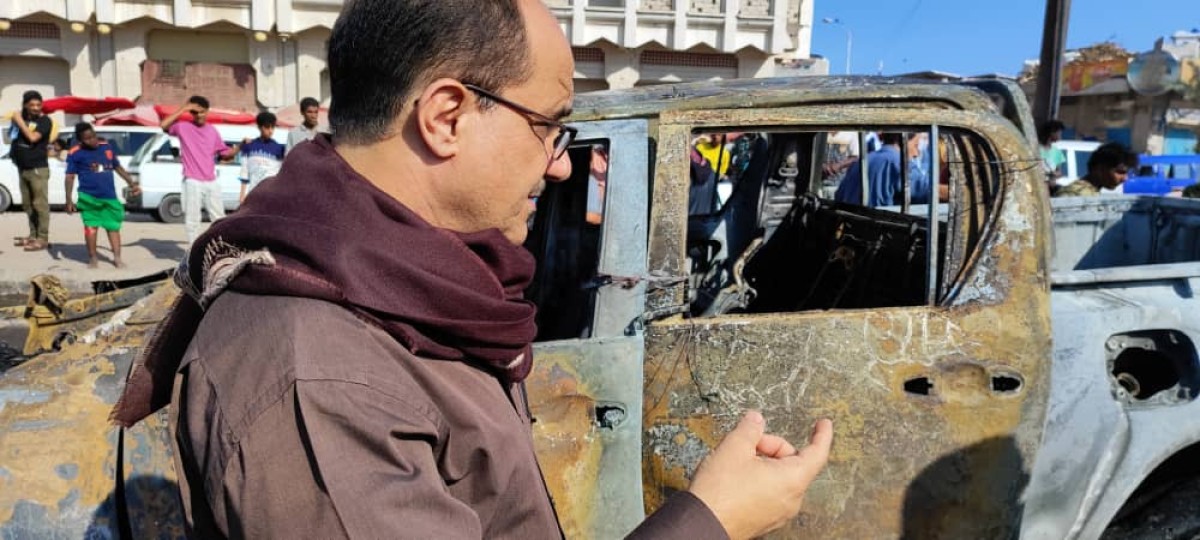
(126, 140)
(1077, 153)
(157, 169)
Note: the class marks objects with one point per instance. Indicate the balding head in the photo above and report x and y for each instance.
(382, 52)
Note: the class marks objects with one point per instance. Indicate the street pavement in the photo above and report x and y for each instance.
(147, 247)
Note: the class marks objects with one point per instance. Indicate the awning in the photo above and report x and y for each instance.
(83, 105)
(215, 116)
(141, 115)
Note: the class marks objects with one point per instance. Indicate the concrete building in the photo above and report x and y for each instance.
(1097, 102)
(254, 54)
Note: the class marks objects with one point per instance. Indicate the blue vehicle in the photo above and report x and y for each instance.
(1160, 175)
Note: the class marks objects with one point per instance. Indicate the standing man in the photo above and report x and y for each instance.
(1107, 168)
(381, 396)
(30, 136)
(261, 157)
(884, 181)
(199, 144)
(1053, 158)
(93, 162)
(311, 109)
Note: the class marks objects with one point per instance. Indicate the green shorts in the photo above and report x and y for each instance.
(107, 214)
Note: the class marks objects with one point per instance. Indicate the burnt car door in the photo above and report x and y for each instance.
(921, 329)
(589, 236)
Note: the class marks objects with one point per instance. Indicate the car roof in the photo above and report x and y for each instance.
(772, 92)
(1076, 145)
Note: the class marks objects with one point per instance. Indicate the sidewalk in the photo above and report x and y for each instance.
(147, 247)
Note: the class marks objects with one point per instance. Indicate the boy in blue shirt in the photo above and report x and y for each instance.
(261, 157)
(93, 163)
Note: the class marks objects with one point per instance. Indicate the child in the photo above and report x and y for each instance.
(93, 162)
(58, 149)
(261, 157)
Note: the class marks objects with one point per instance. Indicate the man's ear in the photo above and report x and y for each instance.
(439, 114)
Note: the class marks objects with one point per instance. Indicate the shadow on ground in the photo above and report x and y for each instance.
(76, 252)
(162, 249)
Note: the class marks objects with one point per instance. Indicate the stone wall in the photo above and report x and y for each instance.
(227, 86)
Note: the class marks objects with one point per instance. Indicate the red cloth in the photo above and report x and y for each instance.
(82, 105)
(215, 116)
(141, 115)
(334, 236)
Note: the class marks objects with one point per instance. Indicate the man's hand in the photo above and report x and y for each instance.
(755, 482)
(18, 119)
(70, 205)
(135, 189)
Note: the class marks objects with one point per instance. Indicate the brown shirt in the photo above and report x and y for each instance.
(294, 419)
(1078, 188)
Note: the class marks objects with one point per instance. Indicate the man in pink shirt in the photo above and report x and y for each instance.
(199, 144)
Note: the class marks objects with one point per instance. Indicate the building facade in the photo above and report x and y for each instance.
(1097, 102)
(267, 54)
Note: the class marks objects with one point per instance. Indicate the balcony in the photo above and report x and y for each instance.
(720, 25)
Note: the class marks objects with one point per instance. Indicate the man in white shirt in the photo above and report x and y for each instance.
(310, 108)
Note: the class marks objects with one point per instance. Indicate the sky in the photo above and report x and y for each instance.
(973, 37)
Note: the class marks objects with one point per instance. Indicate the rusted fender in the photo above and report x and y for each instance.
(60, 458)
(586, 398)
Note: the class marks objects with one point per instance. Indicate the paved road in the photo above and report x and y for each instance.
(147, 247)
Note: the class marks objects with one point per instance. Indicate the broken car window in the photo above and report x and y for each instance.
(565, 237)
(813, 223)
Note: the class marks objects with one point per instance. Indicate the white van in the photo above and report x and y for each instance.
(1078, 153)
(126, 140)
(157, 169)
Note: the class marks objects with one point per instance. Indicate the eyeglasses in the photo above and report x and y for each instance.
(564, 136)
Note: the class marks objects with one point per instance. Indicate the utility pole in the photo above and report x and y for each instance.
(1054, 40)
(849, 38)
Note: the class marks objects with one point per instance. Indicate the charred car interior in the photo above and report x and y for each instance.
(771, 231)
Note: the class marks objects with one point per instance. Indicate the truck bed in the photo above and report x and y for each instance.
(1123, 239)
(1126, 373)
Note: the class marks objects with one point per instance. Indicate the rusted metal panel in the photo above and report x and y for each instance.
(151, 487)
(58, 452)
(626, 205)
(586, 398)
(776, 92)
(53, 317)
(928, 444)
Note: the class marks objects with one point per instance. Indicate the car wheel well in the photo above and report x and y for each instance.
(1174, 483)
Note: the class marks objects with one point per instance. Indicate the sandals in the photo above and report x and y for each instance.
(36, 245)
(21, 241)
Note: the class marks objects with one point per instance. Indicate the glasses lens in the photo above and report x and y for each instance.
(563, 141)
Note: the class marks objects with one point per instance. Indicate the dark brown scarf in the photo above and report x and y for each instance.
(319, 230)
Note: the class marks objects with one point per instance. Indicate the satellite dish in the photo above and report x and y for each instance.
(1154, 73)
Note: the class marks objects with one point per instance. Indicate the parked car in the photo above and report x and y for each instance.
(157, 168)
(126, 140)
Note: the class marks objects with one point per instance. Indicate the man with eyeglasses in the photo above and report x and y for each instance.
(1108, 167)
(347, 359)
